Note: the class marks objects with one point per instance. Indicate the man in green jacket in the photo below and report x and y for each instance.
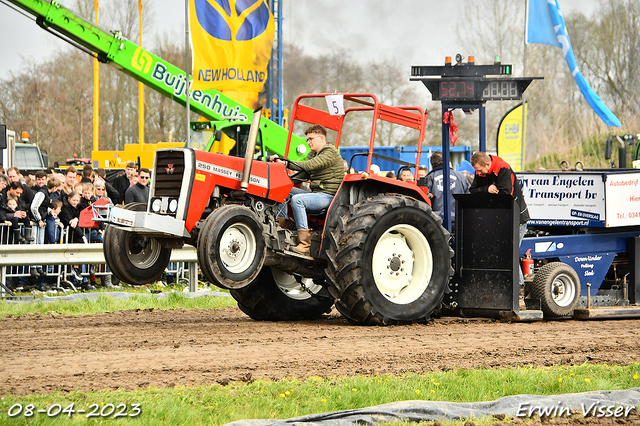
(327, 171)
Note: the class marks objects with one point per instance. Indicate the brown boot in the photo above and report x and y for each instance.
(304, 242)
(284, 222)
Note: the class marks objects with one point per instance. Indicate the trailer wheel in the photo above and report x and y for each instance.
(231, 249)
(134, 258)
(389, 261)
(557, 286)
(277, 296)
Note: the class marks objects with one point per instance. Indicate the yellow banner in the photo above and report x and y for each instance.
(232, 42)
(510, 134)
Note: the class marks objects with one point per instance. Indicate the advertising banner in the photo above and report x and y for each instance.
(623, 199)
(232, 42)
(564, 198)
(510, 133)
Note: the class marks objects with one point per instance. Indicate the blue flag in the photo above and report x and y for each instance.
(540, 27)
(546, 26)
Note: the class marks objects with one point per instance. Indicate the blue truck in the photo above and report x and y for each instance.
(459, 155)
(585, 242)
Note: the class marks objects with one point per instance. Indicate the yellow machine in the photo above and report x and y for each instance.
(132, 152)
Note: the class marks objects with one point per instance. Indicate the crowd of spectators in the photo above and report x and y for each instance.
(45, 207)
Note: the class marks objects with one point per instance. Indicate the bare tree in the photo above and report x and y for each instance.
(609, 47)
(559, 117)
(391, 86)
(164, 117)
(52, 101)
(490, 28)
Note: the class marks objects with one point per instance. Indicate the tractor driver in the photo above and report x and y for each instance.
(326, 167)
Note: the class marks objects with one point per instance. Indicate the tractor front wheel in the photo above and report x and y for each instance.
(134, 258)
(231, 249)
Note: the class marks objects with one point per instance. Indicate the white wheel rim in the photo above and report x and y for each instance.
(238, 248)
(402, 264)
(142, 252)
(288, 285)
(563, 290)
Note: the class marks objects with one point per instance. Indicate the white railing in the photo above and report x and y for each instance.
(20, 255)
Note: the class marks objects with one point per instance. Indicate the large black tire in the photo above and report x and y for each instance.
(108, 245)
(201, 250)
(231, 248)
(557, 285)
(389, 261)
(276, 296)
(134, 258)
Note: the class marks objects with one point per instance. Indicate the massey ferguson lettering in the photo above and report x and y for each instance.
(229, 173)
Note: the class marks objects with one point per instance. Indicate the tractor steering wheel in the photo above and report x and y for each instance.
(296, 177)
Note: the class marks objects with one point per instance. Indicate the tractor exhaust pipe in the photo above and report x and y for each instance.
(251, 147)
(622, 150)
(622, 153)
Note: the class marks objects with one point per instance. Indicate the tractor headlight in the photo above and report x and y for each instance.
(173, 205)
(156, 205)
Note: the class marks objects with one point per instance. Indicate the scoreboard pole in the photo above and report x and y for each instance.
(446, 152)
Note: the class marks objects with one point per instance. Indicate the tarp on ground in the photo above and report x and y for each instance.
(416, 411)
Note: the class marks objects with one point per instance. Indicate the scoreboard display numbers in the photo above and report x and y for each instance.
(476, 89)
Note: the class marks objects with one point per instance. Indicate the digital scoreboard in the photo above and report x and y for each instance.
(481, 89)
(470, 82)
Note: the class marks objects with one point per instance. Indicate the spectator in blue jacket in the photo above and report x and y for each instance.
(458, 184)
(54, 226)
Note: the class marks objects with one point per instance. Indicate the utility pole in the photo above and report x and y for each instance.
(140, 90)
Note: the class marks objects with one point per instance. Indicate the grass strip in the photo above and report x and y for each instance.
(105, 303)
(217, 404)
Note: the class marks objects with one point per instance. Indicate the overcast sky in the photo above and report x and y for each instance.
(413, 32)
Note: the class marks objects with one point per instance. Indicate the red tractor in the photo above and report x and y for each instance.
(378, 252)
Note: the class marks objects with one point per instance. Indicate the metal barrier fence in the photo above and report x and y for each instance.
(16, 259)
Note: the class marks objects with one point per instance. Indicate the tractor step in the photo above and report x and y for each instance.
(301, 256)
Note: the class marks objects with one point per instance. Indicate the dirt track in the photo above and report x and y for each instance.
(133, 349)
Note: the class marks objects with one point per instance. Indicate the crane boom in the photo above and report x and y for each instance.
(112, 48)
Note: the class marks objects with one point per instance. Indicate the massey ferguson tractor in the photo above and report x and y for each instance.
(378, 252)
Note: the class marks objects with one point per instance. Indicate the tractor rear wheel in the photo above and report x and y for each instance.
(134, 258)
(557, 285)
(277, 296)
(231, 249)
(389, 261)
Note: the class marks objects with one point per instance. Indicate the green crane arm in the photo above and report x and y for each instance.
(153, 71)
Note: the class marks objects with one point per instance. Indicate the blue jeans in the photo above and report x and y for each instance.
(301, 201)
(95, 237)
(53, 231)
(38, 233)
(523, 230)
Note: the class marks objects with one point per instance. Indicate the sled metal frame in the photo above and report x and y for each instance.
(485, 281)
